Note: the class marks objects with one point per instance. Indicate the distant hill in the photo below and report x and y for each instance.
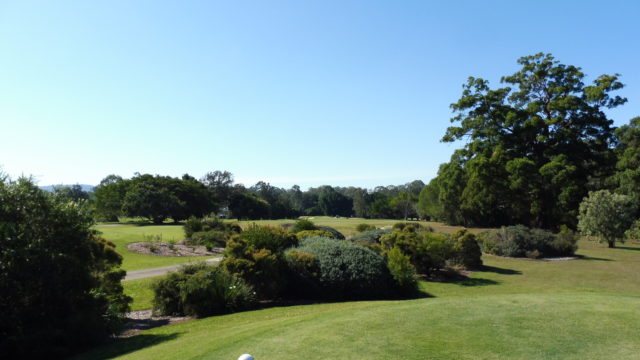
(85, 187)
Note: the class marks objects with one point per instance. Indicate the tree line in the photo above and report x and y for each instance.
(158, 198)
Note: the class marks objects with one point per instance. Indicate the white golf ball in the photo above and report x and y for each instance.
(245, 357)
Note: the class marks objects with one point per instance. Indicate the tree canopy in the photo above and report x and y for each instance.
(534, 147)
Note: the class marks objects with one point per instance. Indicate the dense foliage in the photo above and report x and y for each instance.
(201, 290)
(59, 281)
(535, 147)
(339, 269)
(606, 215)
(520, 241)
(209, 231)
(257, 256)
(429, 252)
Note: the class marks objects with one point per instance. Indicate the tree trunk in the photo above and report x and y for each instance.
(612, 243)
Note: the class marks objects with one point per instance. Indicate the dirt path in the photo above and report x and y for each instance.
(145, 273)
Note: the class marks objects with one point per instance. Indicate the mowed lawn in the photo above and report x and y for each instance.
(123, 234)
(587, 308)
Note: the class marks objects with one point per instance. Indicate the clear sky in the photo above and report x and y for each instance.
(288, 92)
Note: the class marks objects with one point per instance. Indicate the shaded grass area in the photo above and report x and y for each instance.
(123, 234)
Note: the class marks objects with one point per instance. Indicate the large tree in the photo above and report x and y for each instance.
(534, 148)
(59, 281)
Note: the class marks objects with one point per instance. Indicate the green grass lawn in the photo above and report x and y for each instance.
(124, 234)
(587, 308)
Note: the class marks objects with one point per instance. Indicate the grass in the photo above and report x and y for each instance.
(140, 291)
(124, 234)
(511, 309)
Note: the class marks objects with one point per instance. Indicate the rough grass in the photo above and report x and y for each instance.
(124, 234)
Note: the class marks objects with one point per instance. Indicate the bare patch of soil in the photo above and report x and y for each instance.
(165, 249)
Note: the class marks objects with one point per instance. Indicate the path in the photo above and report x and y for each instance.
(145, 273)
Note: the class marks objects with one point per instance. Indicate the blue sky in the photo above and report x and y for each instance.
(288, 92)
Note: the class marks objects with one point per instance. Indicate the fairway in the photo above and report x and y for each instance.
(122, 235)
(513, 309)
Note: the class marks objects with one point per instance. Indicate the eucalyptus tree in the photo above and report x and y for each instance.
(534, 147)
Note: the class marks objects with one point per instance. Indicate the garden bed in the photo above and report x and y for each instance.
(168, 249)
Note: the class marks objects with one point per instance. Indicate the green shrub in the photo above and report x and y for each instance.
(466, 251)
(520, 241)
(257, 256)
(370, 236)
(364, 227)
(60, 288)
(209, 231)
(309, 233)
(564, 243)
(334, 233)
(209, 238)
(415, 227)
(344, 270)
(428, 252)
(201, 290)
(303, 272)
(403, 273)
(302, 225)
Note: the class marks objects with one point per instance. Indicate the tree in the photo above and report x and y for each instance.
(109, 196)
(71, 193)
(333, 203)
(59, 281)
(534, 148)
(405, 204)
(627, 177)
(220, 184)
(606, 215)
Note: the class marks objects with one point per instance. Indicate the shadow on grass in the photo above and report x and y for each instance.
(125, 346)
(476, 282)
(591, 258)
(627, 248)
(501, 271)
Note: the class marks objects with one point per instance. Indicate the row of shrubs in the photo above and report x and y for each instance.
(305, 261)
(520, 241)
(309, 262)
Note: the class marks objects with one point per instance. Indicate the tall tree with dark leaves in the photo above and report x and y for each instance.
(545, 133)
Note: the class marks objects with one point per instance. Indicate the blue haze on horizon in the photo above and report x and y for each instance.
(287, 92)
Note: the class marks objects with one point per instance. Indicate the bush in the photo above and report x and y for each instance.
(403, 273)
(364, 227)
(302, 225)
(334, 233)
(209, 231)
(309, 233)
(201, 290)
(520, 241)
(60, 285)
(370, 236)
(415, 227)
(428, 252)
(344, 270)
(209, 238)
(466, 251)
(257, 256)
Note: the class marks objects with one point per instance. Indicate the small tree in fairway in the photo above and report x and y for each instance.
(606, 215)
